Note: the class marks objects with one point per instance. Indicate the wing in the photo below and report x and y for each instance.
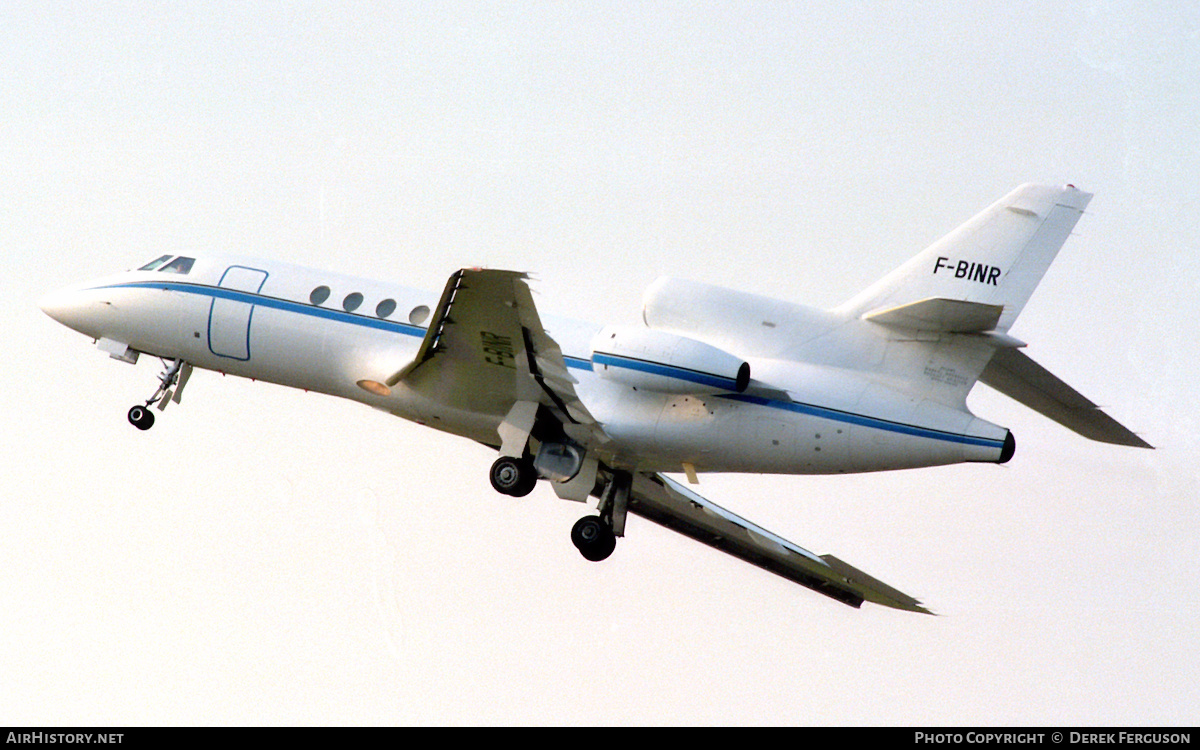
(670, 504)
(485, 350)
(1020, 378)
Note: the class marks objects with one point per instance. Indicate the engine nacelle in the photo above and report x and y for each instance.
(665, 362)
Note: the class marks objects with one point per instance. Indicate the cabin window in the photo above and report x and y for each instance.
(180, 265)
(418, 315)
(385, 308)
(352, 301)
(319, 295)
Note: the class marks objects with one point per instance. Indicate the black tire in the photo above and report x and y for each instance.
(513, 476)
(531, 479)
(593, 538)
(141, 417)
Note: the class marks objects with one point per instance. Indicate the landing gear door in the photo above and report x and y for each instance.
(232, 312)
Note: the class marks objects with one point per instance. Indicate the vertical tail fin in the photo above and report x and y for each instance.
(996, 259)
(976, 280)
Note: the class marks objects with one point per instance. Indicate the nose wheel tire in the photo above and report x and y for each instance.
(141, 417)
(593, 538)
(513, 476)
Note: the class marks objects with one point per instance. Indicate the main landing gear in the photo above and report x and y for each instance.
(170, 388)
(513, 476)
(594, 536)
(560, 459)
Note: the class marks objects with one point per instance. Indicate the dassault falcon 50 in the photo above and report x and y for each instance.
(716, 380)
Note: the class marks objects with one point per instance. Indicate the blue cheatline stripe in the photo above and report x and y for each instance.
(578, 363)
(667, 371)
(864, 421)
(277, 303)
(573, 362)
(792, 406)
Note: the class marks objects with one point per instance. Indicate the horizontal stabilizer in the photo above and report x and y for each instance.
(1020, 378)
(939, 314)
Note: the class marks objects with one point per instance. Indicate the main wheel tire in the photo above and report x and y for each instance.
(141, 417)
(513, 476)
(531, 480)
(593, 538)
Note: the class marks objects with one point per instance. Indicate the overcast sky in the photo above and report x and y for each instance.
(271, 556)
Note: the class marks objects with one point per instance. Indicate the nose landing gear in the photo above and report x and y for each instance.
(170, 388)
(141, 417)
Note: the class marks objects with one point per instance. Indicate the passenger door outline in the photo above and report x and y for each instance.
(230, 315)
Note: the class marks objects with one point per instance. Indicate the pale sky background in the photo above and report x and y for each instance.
(269, 556)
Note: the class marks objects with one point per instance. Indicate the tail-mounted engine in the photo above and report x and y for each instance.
(665, 362)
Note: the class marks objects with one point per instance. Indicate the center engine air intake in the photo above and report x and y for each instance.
(666, 363)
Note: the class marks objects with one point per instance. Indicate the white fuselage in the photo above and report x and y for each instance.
(810, 409)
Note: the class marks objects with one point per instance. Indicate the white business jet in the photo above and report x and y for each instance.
(716, 380)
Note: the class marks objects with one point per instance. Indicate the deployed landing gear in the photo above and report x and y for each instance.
(170, 388)
(596, 536)
(513, 476)
(141, 417)
(593, 538)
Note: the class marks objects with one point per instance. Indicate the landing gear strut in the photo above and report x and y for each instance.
(170, 388)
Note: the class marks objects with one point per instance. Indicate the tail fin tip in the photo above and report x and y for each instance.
(996, 258)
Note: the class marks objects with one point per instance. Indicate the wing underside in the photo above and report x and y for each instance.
(670, 504)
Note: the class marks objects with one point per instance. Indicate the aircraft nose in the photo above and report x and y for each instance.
(65, 306)
(53, 304)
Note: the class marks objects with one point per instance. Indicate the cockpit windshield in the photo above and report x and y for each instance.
(154, 264)
(180, 264)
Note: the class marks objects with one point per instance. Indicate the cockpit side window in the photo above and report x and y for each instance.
(180, 265)
(154, 264)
